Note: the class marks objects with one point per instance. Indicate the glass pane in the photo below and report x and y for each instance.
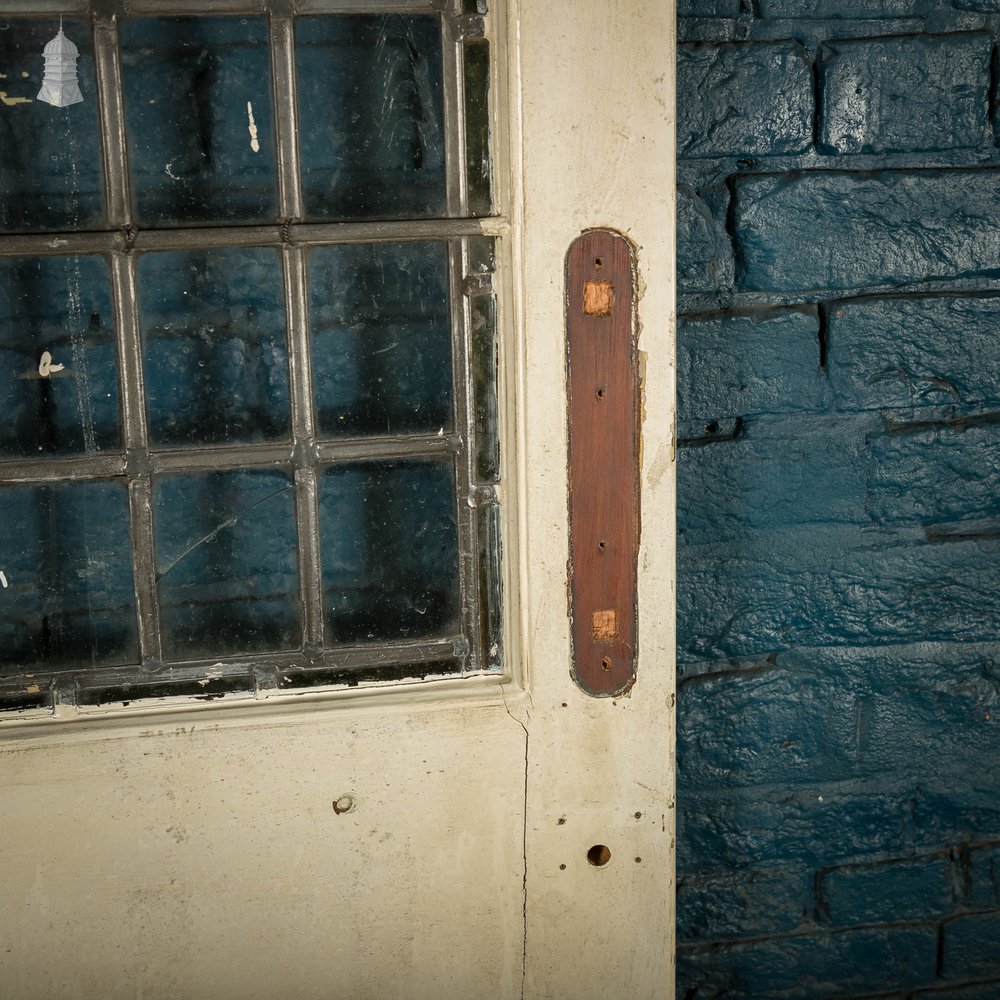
(477, 127)
(50, 157)
(390, 550)
(370, 109)
(215, 356)
(484, 374)
(381, 338)
(226, 564)
(58, 386)
(199, 119)
(482, 255)
(66, 590)
(490, 588)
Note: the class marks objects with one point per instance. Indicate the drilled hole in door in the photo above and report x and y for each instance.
(606, 663)
(599, 855)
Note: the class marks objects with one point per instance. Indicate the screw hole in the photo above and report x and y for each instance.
(638, 815)
(598, 263)
(601, 392)
(606, 663)
(560, 821)
(599, 855)
(602, 544)
(344, 804)
(562, 868)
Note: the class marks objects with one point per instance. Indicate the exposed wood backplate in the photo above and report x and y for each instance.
(603, 390)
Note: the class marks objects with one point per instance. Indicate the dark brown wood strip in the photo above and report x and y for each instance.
(603, 398)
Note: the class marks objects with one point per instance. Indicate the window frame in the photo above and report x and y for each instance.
(478, 646)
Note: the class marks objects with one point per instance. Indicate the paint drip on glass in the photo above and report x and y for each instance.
(254, 141)
(60, 84)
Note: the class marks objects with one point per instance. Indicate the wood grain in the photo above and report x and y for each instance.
(603, 391)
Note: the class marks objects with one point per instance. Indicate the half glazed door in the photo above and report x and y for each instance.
(504, 831)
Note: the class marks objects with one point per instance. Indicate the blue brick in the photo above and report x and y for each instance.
(978, 991)
(828, 715)
(941, 478)
(836, 9)
(972, 947)
(780, 470)
(742, 365)
(906, 94)
(984, 877)
(708, 8)
(764, 726)
(830, 231)
(811, 966)
(774, 590)
(914, 707)
(915, 353)
(871, 818)
(744, 904)
(909, 889)
(965, 809)
(741, 99)
(704, 250)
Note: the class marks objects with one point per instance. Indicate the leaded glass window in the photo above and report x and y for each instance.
(248, 351)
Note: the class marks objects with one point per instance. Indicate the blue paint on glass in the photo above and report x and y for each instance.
(51, 176)
(389, 540)
(215, 356)
(226, 563)
(68, 602)
(371, 132)
(187, 82)
(381, 338)
(58, 361)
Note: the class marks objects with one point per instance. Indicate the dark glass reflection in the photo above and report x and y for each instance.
(482, 255)
(484, 374)
(66, 591)
(478, 165)
(50, 157)
(191, 85)
(490, 588)
(381, 338)
(226, 564)
(58, 387)
(371, 134)
(390, 550)
(215, 358)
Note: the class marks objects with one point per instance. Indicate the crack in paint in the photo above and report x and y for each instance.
(524, 848)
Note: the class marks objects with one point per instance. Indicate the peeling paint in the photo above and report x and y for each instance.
(254, 142)
(46, 367)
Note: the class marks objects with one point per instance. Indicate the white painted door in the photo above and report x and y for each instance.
(428, 840)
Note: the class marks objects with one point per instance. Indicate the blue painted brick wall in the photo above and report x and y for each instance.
(839, 499)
